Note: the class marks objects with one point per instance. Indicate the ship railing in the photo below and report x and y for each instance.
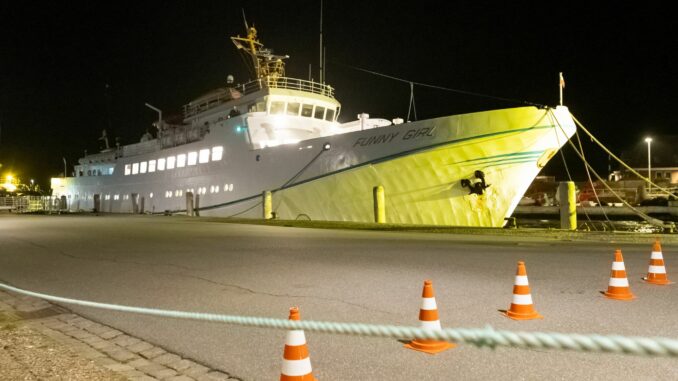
(229, 94)
(25, 204)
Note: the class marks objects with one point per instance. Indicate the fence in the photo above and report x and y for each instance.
(27, 204)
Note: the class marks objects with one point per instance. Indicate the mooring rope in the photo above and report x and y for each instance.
(480, 337)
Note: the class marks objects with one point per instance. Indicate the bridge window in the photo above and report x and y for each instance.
(171, 160)
(319, 112)
(161, 164)
(329, 115)
(181, 160)
(293, 108)
(151, 166)
(277, 108)
(135, 168)
(307, 110)
(143, 166)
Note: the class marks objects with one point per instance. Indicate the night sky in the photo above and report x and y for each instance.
(57, 59)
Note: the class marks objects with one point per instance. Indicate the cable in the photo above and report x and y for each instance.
(647, 180)
(441, 87)
(588, 174)
(644, 216)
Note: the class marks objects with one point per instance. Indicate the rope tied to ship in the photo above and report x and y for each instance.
(480, 337)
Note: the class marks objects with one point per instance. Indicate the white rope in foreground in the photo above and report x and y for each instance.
(480, 337)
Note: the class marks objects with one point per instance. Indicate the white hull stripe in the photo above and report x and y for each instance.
(618, 266)
(295, 338)
(296, 367)
(656, 255)
(522, 299)
(657, 270)
(430, 324)
(521, 280)
(619, 282)
(428, 304)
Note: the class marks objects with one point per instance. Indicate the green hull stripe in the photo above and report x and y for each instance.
(383, 159)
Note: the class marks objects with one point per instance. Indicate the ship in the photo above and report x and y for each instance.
(273, 147)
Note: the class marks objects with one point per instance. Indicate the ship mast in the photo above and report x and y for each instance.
(264, 62)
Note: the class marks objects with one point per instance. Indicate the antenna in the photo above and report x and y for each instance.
(322, 79)
(244, 18)
(561, 86)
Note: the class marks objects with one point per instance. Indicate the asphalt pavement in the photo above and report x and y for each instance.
(344, 276)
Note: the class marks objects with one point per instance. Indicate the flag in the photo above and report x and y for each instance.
(562, 81)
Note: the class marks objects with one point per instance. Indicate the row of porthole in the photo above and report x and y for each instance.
(201, 191)
(169, 194)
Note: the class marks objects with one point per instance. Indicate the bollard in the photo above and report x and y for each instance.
(379, 204)
(568, 205)
(267, 202)
(189, 203)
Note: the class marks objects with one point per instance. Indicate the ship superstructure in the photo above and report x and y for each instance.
(281, 134)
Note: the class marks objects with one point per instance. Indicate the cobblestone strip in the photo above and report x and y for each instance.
(135, 359)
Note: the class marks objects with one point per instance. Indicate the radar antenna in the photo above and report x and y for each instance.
(263, 61)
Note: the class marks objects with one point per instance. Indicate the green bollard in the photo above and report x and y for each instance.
(268, 205)
(568, 206)
(379, 204)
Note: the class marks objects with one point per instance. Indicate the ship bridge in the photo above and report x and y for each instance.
(276, 109)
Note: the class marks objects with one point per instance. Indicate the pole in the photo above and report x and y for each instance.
(322, 79)
(649, 166)
(156, 110)
(65, 171)
(561, 85)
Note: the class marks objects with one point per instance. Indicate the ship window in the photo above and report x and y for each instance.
(329, 116)
(107, 197)
(143, 166)
(110, 171)
(116, 197)
(293, 108)
(181, 160)
(217, 153)
(151, 166)
(135, 168)
(192, 158)
(277, 107)
(89, 172)
(319, 112)
(204, 156)
(170, 162)
(161, 164)
(150, 195)
(307, 110)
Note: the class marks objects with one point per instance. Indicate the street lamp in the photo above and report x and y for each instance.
(648, 140)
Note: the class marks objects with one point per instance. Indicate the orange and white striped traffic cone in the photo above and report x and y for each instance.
(656, 273)
(618, 288)
(428, 319)
(521, 306)
(296, 364)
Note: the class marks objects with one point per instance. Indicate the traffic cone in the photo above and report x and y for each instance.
(618, 288)
(428, 318)
(521, 307)
(656, 273)
(296, 364)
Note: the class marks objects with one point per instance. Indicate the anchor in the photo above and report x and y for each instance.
(477, 187)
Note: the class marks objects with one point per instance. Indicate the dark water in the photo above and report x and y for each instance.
(585, 225)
